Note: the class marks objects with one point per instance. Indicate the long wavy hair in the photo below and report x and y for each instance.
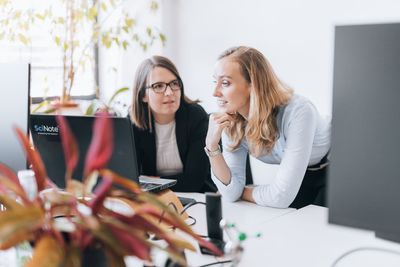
(268, 93)
(140, 111)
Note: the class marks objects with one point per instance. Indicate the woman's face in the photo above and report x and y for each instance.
(232, 90)
(163, 103)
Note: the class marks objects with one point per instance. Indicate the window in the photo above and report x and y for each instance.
(42, 52)
(95, 66)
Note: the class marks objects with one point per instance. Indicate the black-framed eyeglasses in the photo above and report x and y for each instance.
(161, 87)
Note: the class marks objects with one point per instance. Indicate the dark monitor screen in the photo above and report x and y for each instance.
(364, 176)
(47, 141)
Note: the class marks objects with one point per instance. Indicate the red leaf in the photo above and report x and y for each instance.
(177, 223)
(34, 159)
(131, 243)
(101, 193)
(70, 147)
(8, 173)
(119, 180)
(138, 220)
(101, 147)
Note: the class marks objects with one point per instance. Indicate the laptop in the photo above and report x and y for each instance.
(46, 140)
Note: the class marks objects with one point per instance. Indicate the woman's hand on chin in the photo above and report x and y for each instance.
(217, 123)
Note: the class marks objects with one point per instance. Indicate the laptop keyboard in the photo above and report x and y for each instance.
(148, 186)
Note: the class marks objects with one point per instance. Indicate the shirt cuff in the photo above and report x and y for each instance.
(231, 192)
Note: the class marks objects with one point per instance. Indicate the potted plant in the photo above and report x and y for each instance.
(77, 27)
(110, 107)
(62, 225)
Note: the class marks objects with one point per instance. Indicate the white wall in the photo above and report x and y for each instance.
(296, 36)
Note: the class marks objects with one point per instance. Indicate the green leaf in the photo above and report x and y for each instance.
(106, 41)
(90, 109)
(162, 38)
(129, 22)
(112, 2)
(23, 39)
(57, 39)
(60, 20)
(41, 17)
(17, 14)
(148, 31)
(92, 13)
(103, 6)
(119, 91)
(125, 44)
(39, 106)
(153, 6)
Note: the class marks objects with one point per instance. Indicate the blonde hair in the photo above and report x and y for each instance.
(140, 111)
(268, 93)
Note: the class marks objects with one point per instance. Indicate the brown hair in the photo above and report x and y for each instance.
(267, 94)
(140, 111)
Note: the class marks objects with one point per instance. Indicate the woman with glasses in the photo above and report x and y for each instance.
(260, 115)
(170, 129)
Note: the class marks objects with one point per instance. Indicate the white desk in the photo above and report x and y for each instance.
(289, 238)
(247, 216)
(304, 238)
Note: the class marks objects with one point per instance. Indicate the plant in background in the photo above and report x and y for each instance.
(109, 107)
(77, 27)
(64, 224)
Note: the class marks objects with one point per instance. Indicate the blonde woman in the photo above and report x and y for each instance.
(261, 116)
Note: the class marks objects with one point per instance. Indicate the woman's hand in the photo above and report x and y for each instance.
(247, 194)
(217, 123)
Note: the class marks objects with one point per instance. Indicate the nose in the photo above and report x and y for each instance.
(168, 91)
(216, 92)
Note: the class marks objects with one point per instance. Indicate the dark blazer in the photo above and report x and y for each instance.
(191, 130)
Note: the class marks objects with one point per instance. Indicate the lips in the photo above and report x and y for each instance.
(169, 102)
(221, 102)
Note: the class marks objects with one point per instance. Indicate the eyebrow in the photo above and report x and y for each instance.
(176, 79)
(222, 76)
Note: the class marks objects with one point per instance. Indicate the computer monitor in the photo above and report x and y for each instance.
(46, 139)
(14, 111)
(364, 176)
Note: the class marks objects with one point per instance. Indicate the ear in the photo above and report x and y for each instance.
(145, 98)
(250, 88)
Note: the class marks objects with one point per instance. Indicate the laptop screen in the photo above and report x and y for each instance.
(46, 139)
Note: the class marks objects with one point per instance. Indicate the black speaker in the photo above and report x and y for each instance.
(214, 215)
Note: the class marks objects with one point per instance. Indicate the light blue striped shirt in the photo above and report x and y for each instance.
(304, 139)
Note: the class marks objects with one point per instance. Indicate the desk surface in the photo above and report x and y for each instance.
(245, 215)
(289, 238)
(304, 238)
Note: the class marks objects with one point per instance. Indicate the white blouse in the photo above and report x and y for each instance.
(168, 160)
